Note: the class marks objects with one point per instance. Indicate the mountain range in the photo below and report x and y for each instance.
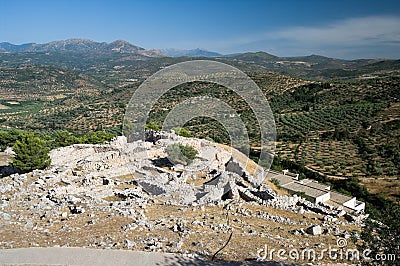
(86, 45)
(312, 66)
(80, 45)
(192, 53)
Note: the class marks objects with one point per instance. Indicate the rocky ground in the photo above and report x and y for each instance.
(127, 196)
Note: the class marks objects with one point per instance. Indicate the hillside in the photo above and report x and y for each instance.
(307, 113)
(100, 55)
(112, 196)
(258, 57)
(42, 82)
(338, 122)
(320, 67)
(191, 53)
(80, 46)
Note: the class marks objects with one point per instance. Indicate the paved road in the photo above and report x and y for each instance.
(89, 257)
(85, 256)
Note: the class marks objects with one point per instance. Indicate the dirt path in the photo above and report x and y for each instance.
(328, 176)
(379, 178)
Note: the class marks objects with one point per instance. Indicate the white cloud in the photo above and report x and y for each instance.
(373, 36)
(363, 37)
(355, 31)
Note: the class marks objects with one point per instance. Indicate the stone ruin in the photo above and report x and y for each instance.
(214, 175)
(140, 171)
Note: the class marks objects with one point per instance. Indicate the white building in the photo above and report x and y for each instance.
(314, 191)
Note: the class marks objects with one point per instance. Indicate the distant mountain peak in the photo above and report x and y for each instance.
(120, 41)
(254, 56)
(123, 46)
(197, 52)
(76, 40)
(81, 45)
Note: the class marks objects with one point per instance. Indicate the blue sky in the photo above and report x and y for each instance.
(343, 29)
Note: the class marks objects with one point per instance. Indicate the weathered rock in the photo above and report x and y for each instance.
(179, 227)
(330, 218)
(336, 231)
(72, 199)
(314, 230)
(236, 167)
(9, 151)
(129, 244)
(77, 209)
(177, 245)
(295, 232)
(346, 235)
(5, 216)
(28, 225)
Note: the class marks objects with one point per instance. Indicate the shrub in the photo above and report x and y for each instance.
(183, 154)
(64, 138)
(31, 153)
(275, 182)
(9, 138)
(97, 137)
(152, 126)
(182, 132)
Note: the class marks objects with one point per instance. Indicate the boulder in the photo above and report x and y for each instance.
(129, 244)
(5, 216)
(10, 151)
(314, 230)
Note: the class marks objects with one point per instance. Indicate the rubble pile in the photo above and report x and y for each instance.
(126, 179)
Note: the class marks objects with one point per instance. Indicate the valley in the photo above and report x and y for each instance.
(337, 122)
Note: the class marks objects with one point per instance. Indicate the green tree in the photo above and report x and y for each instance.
(182, 132)
(31, 153)
(183, 154)
(97, 137)
(64, 138)
(9, 138)
(152, 126)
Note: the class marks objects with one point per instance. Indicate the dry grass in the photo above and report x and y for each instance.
(5, 159)
(387, 188)
(106, 226)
